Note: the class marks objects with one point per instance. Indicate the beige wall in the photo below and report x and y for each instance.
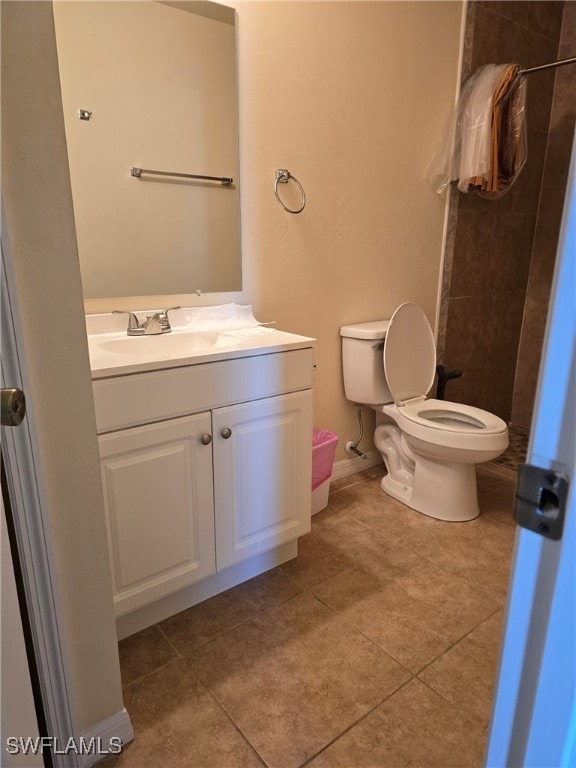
(40, 230)
(351, 98)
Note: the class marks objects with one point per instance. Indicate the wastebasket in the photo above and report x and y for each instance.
(323, 450)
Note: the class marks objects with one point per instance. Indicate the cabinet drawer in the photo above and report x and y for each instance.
(141, 398)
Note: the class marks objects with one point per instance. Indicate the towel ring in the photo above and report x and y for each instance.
(283, 176)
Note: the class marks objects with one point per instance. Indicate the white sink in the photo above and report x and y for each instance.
(114, 353)
(167, 345)
(119, 350)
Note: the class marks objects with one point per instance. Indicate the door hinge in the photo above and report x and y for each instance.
(541, 496)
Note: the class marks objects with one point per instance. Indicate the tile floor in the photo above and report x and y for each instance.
(515, 454)
(376, 647)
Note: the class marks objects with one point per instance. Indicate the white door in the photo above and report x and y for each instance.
(24, 485)
(262, 475)
(534, 717)
(159, 508)
(18, 711)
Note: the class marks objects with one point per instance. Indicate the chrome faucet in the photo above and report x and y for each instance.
(153, 325)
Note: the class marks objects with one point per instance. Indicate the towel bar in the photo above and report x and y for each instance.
(137, 172)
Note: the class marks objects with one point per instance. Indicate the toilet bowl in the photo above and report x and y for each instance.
(430, 447)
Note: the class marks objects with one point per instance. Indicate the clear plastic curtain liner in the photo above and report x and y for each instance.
(464, 149)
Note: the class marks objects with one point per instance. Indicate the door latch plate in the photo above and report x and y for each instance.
(541, 496)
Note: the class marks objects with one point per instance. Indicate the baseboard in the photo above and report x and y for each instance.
(356, 464)
(106, 737)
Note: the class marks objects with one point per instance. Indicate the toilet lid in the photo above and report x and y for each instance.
(409, 353)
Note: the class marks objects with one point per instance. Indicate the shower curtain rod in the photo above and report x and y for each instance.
(548, 66)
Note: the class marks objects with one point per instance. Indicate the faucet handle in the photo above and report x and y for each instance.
(134, 327)
(164, 321)
(153, 324)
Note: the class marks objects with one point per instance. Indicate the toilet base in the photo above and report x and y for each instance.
(445, 491)
(442, 489)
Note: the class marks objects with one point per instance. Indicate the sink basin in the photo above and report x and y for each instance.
(112, 350)
(168, 344)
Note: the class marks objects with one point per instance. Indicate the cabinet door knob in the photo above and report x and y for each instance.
(226, 433)
(206, 439)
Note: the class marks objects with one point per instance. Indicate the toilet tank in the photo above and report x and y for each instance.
(363, 364)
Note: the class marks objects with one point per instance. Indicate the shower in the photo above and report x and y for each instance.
(500, 253)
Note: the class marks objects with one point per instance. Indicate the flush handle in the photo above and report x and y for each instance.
(541, 496)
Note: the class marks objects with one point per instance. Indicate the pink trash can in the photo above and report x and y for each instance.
(323, 451)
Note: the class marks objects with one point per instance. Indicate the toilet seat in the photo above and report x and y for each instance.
(452, 417)
(410, 365)
(409, 353)
(415, 427)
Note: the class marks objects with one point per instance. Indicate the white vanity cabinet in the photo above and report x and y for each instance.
(204, 467)
(159, 502)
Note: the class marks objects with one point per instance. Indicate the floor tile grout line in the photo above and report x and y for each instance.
(355, 723)
(350, 624)
(376, 706)
(169, 640)
(212, 695)
(209, 640)
(391, 655)
(151, 672)
(337, 615)
(439, 693)
(307, 588)
(180, 655)
(208, 690)
(334, 611)
(452, 574)
(463, 637)
(377, 645)
(453, 704)
(400, 543)
(413, 676)
(231, 719)
(256, 615)
(356, 629)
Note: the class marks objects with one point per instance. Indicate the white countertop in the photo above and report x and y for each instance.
(136, 354)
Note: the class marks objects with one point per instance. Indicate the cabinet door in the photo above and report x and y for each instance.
(262, 475)
(159, 508)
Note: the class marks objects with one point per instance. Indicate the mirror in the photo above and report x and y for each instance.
(151, 85)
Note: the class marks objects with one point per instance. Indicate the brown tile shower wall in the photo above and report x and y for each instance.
(556, 164)
(491, 240)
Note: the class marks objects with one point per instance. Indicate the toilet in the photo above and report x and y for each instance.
(430, 447)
